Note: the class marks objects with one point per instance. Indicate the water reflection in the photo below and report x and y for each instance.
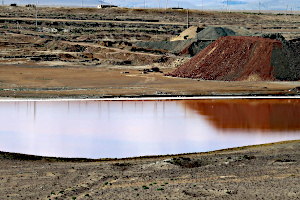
(98, 129)
(271, 115)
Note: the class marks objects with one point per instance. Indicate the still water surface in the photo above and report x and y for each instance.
(115, 129)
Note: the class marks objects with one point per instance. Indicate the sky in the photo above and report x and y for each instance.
(191, 4)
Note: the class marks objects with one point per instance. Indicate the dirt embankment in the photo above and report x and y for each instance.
(232, 59)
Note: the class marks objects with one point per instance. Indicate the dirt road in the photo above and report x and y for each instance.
(89, 21)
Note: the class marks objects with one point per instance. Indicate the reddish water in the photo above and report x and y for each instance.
(99, 129)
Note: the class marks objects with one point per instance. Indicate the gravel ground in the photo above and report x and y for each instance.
(257, 172)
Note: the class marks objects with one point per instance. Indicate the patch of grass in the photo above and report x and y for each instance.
(52, 193)
(135, 188)
(122, 164)
(105, 183)
(73, 197)
(145, 187)
(248, 157)
(284, 160)
(194, 185)
(43, 78)
(86, 195)
(160, 189)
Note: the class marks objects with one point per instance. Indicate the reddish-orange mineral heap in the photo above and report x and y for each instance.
(232, 58)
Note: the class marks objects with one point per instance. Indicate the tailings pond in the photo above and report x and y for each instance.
(116, 129)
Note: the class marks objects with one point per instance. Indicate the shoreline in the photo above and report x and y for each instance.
(153, 98)
(31, 157)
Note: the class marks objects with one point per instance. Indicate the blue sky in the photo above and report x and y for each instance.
(192, 4)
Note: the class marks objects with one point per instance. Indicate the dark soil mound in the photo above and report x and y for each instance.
(205, 38)
(195, 47)
(213, 33)
(291, 70)
(189, 46)
(171, 46)
(233, 58)
(285, 60)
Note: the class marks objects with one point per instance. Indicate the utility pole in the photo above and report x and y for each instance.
(2, 2)
(36, 13)
(226, 5)
(158, 3)
(166, 4)
(82, 3)
(187, 18)
(287, 7)
(202, 5)
(259, 7)
(144, 4)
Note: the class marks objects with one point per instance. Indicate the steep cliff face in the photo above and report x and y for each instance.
(234, 58)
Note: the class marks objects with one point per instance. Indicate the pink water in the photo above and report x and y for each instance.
(115, 129)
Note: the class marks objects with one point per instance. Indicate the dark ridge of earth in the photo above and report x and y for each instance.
(189, 46)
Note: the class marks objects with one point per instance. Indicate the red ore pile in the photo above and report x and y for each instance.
(232, 58)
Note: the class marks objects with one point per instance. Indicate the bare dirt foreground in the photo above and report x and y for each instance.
(268, 171)
(114, 81)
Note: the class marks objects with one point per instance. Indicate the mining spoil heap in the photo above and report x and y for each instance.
(233, 58)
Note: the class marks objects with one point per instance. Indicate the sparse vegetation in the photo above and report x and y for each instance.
(145, 187)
